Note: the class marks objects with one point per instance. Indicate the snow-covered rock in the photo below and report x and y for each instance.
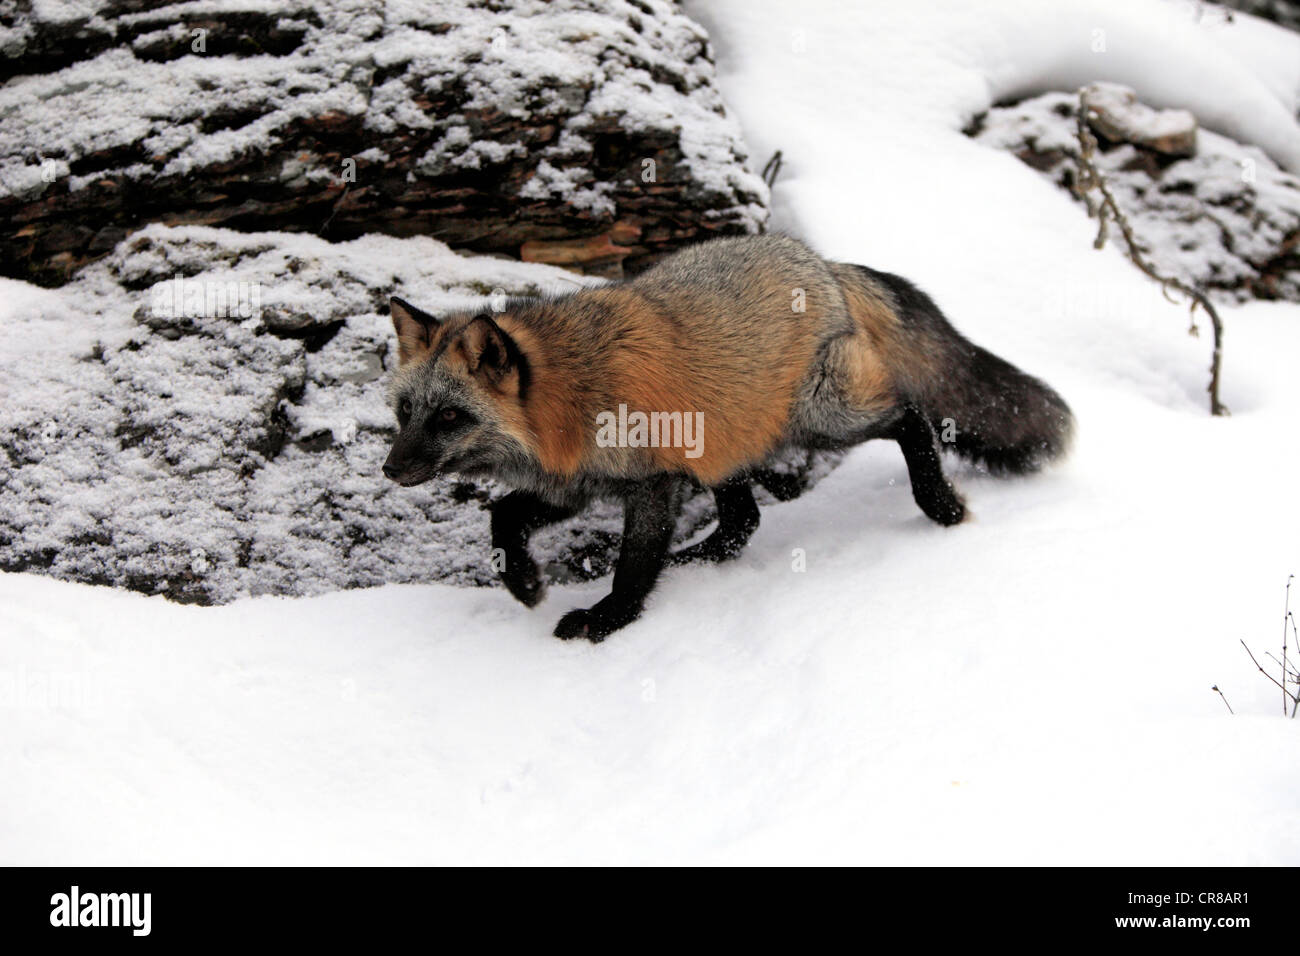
(1114, 113)
(485, 125)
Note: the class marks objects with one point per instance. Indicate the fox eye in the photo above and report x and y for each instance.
(445, 419)
(404, 409)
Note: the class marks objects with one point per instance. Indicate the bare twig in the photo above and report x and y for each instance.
(1287, 693)
(334, 209)
(1286, 616)
(1215, 688)
(1296, 705)
(1107, 208)
(1290, 671)
(772, 169)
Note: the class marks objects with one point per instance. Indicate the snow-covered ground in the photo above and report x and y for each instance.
(1032, 686)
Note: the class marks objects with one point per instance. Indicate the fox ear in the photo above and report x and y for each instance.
(490, 352)
(415, 329)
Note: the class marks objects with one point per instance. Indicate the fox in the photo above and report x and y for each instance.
(764, 344)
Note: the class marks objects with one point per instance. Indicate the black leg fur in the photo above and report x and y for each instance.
(737, 520)
(649, 517)
(514, 518)
(780, 485)
(933, 492)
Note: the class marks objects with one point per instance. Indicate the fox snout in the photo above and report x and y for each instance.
(408, 477)
(396, 472)
(405, 468)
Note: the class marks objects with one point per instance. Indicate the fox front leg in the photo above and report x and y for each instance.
(514, 518)
(649, 518)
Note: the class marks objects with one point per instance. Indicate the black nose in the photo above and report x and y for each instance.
(391, 471)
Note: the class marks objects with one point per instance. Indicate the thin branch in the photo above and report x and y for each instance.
(1108, 209)
(772, 169)
(334, 209)
(1286, 616)
(1215, 688)
(1296, 705)
(1269, 676)
(1291, 674)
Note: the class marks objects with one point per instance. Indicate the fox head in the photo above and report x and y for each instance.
(458, 396)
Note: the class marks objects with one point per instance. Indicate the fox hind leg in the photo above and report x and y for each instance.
(780, 485)
(737, 520)
(934, 493)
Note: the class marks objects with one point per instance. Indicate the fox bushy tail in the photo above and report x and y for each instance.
(982, 407)
(1010, 422)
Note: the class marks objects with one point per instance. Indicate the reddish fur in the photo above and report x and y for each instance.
(876, 347)
(744, 393)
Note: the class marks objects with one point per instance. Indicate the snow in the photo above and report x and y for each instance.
(1032, 686)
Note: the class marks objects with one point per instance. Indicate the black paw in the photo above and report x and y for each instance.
(711, 549)
(945, 509)
(523, 579)
(597, 622)
(580, 623)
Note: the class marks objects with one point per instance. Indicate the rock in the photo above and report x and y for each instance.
(1116, 115)
(1226, 219)
(485, 125)
(1285, 13)
(566, 252)
(288, 321)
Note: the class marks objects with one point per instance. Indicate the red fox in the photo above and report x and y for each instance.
(753, 345)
